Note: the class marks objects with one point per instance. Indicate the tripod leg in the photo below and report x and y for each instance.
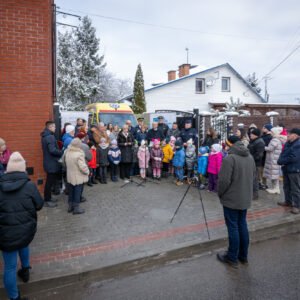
(204, 214)
(180, 203)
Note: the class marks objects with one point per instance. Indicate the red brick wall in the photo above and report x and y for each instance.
(25, 76)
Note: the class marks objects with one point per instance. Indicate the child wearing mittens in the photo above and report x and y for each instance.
(156, 157)
(214, 165)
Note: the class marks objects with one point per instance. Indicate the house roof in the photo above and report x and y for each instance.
(201, 72)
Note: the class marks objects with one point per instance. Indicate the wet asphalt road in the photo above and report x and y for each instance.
(273, 273)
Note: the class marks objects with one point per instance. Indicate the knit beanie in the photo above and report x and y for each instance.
(76, 143)
(295, 131)
(114, 143)
(203, 150)
(143, 142)
(2, 142)
(276, 131)
(70, 128)
(16, 163)
(268, 126)
(256, 132)
(217, 147)
(232, 140)
(156, 142)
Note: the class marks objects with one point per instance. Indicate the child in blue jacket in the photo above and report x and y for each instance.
(179, 162)
(202, 165)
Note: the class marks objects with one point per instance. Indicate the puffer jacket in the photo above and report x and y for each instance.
(190, 157)
(179, 158)
(168, 153)
(156, 153)
(273, 151)
(257, 149)
(202, 164)
(19, 201)
(143, 157)
(214, 163)
(290, 157)
(77, 169)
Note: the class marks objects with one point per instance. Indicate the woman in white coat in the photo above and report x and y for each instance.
(272, 169)
(77, 174)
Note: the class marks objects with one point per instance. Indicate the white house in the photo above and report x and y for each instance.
(214, 85)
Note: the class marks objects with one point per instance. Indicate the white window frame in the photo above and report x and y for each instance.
(228, 84)
(203, 85)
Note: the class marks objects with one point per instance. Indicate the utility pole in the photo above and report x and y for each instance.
(266, 78)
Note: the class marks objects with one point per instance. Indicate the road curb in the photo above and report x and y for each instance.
(146, 263)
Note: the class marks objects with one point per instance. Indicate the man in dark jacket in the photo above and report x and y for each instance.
(154, 133)
(162, 125)
(189, 133)
(174, 131)
(51, 156)
(19, 201)
(257, 148)
(290, 162)
(235, 189)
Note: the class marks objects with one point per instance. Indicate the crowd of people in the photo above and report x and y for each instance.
(248, 161)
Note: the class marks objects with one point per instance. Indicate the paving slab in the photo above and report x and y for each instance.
(126, 223)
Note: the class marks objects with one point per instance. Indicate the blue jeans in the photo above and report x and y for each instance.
(75, 192)
(10, 269)
(179, 173)
(238, 234)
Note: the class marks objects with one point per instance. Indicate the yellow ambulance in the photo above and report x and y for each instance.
(114, 113)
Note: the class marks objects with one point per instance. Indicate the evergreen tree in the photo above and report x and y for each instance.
(139, 103)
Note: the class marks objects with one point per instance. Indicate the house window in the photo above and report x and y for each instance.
(200, 85)
(225, 84)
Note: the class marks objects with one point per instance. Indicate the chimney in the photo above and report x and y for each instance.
(184, 70)
(171, 75)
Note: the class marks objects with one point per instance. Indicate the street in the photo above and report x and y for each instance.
(273, 273)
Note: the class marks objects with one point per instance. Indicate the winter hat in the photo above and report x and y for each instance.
(70, 128)
(81, 135)
(276, 131)
(102, 141)
(76, 143)
(143, 142)
(16, 163)
(203, 150)
(172, 138)
(232, 140)
(256, 132)
(268, 126)
(217, 147)
(295, 131)
(156, 142)
(178, 144)
(252, 126)
(114, 143)
(2, 142)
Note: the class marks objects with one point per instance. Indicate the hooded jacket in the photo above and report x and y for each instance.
(51, 152)
(235, 181)
(19, 201)
(257, 149)
(289, 158)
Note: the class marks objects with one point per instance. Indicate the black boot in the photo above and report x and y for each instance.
(24, 274)
(78, 210)
(70, 208)
(94, 181)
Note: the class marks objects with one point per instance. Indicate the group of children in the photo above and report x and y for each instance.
(167, 157)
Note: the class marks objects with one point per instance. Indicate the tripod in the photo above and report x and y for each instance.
(194, 181)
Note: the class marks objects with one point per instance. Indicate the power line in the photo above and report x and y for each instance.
(171, 27)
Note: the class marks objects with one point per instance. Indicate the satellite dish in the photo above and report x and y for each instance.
(210, 81)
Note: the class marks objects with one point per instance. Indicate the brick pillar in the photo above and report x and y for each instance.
(25, 76)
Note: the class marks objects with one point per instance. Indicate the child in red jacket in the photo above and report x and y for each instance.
(92, 165)
(214, 166)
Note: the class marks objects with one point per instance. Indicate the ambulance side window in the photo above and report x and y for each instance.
(90, 119)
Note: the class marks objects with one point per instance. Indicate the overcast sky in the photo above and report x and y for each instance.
(253, 36)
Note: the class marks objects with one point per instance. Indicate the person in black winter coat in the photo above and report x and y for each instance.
(19, 202)
(267, 137)
(125, 142)
(51, 156)
(154, 133)
(290, 162)
(257, 148)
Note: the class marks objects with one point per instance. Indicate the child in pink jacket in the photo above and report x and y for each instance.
(214, 166)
